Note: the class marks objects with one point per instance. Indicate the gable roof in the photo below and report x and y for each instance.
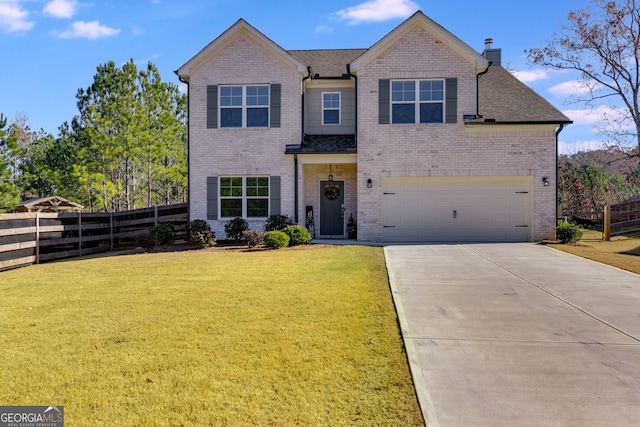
(185, 70)
(327, 63)
(505, 99)
(48, 204)
(429, 24)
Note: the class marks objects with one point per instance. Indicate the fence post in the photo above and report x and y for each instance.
(80, 233)
(37, 237)
(111, 229)
(607, 223)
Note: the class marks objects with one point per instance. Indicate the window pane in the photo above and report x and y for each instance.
(230, 187)
(431, 113)
(230, 208)
(431, 90)
(230, 96)
(257, 186)
(331, 117)
(257, 95)
(257, 208)
(331, 100)
(403, 91)
(403, 113)
(231, 117)
(257, 117)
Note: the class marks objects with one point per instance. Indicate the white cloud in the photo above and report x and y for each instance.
(61, 8)
(570, 148)
(573, 87)
(13, 18)
(377, 10)
(323, 29)
(88, 30)
(594, 116)
(531, 76)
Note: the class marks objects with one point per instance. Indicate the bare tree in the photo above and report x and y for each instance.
(602, 43)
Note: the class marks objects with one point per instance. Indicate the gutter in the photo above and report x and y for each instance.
(188, 147)
(295, 155)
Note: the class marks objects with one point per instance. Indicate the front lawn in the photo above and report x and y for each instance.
(301, 336)
(621, 252)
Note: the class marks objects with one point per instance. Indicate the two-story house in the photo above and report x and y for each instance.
(418, 138)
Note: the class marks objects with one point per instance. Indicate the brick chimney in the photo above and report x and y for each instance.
(493, 55)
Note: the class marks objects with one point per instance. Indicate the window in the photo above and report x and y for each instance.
(417, 101)
(244, 106)
(331, 108)
(246, 197)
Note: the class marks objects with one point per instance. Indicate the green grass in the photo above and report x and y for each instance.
(302, 336)
(622, 252)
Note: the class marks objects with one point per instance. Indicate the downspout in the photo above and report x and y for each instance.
(188, 149)
(295, 156)
(295, 180)
(478, 89)
(356, 106)
(561, 126)
(308, 76)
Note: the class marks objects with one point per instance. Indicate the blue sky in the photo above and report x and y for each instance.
(50, 49)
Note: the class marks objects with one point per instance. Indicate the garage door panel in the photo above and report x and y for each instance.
(471, 209)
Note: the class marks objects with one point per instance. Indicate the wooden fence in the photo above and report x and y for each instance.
(27, 238)
(622, 218)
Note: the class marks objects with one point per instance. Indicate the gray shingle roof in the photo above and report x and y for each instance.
(507, 100)
(325, 144)
(328, 62)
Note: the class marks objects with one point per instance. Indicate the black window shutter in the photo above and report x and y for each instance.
(274, 195)
(383, 102)
(451, 115)
(212, 197)
(212, 106)
(274, 114)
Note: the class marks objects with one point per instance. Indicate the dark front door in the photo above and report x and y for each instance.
(332, 208)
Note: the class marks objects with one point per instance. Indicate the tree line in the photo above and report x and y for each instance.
(125, 149)
(587, 181)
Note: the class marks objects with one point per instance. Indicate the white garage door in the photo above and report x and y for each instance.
(478, 209)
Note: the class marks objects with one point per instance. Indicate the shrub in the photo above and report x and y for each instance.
(253, 237)
(146, 241)
(568, 233)
(276, 239)
(197, 225)
(162, 233)
(278, 222)
(235, 228)
(203, 239)
(200, 234)
(298, 235)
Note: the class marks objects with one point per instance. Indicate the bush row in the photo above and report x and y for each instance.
(280, 231)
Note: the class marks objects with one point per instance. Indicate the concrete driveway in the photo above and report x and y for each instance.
(518, 334)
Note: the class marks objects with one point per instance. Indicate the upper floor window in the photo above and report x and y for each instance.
(245, 197)
(331, 108)
(417, 101)
(244, 106)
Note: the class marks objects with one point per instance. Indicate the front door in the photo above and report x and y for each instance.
(332, 208)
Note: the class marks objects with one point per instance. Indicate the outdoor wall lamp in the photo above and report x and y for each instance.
(330, 177)
(545, 181)
(369, 183)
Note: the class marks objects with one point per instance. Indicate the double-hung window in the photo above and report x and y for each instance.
(244, 106)
(417, 101)
(245, 197)
(331, 108)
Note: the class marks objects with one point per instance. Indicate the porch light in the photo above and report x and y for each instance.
(369, 183)
(330, 177)
(545, 181)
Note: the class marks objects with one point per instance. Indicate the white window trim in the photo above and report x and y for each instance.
(244, 196)
(417, 101)
(331, 109)
(244, 106)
